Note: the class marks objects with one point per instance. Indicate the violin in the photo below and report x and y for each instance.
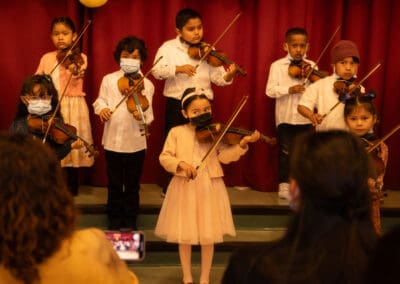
(128, 84)
(71, 59)
(136, 102)
(301, 70)
(232, 136)
(376, 156)
(59, 132)
(374, 147)
(346, 89)
(213, 57)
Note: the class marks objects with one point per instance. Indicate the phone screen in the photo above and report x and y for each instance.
(129, 246)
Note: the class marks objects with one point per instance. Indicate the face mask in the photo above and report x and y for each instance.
(39, 107)
(201, 120)
(129, 65)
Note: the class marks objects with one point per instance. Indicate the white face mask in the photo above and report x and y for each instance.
(39, 107)
(129, 65)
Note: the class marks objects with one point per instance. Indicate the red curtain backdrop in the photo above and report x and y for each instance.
(254, 42)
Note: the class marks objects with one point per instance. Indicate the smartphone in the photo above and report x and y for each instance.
(130, 245)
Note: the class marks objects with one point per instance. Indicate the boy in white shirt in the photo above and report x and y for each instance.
(123, 139)
(287, 91)
(180, 71)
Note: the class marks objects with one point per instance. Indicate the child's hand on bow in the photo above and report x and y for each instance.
(188, 169)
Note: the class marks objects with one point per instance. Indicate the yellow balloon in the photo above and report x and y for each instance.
(93, 3)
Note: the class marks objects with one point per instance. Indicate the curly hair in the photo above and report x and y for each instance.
(37, 212)
(130, 43)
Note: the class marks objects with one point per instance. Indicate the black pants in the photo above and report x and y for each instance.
(124, 171)
(286, 136)
(173, 117)
(72, 178)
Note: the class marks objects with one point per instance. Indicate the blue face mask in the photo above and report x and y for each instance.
(39, 107)
(129, 65)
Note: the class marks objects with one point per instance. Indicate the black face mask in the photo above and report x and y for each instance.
(201, 120)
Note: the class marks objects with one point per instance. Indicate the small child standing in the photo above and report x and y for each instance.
(321, 95)
(123, 140)
(37, 102)
(180, 71)
(73, 105)
(360, 116)
(196, 208)
(287, 91)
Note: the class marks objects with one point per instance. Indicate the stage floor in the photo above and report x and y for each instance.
(150, 196)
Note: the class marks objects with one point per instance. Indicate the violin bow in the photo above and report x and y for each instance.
(219, 38)
(223, 132)
(72, 46)
(354, 88)
(53, 115)
(137, 84)
(320, 56)
(397, 127)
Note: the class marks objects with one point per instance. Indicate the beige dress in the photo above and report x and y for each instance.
(74, 108)
(195, 211)
(87, 257)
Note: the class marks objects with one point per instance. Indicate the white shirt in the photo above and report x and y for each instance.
(279, 82)
(175, 53)
(122, 131)
(322, 96)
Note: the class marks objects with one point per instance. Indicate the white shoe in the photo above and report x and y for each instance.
(283, 192)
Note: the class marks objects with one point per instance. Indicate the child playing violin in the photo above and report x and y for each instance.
(360, 116)
(38, 100)
(180, 71)
(123, 140)
(321, 95)
(287, 91)
(68, 79)
(196, 208)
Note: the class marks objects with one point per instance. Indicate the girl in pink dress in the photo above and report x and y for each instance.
(68, 80)
(196, 209)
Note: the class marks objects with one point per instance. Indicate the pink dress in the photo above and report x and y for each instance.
(195, 211)
(74, 108)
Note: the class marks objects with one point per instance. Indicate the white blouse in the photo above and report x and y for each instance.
(122, 132)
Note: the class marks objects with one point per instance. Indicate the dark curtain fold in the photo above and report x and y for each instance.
(253, 42)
